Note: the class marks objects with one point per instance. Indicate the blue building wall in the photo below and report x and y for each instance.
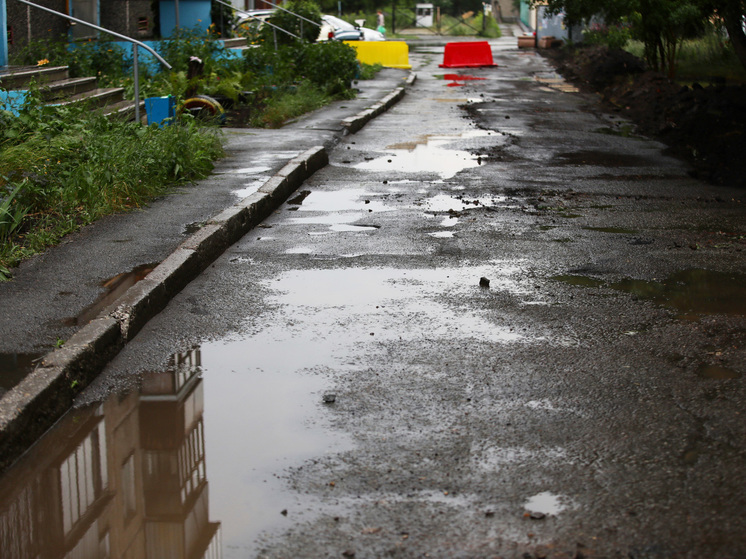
(192, 13)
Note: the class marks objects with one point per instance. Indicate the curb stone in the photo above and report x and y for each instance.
(47, 393)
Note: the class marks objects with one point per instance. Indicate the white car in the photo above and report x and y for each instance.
(335, 28)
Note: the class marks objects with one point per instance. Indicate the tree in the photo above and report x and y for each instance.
(661, 25)
(733, 15)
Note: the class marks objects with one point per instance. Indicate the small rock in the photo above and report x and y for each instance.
(484, 282)
(329, 398)
(537, 516)
(284, 512)
(348, 554)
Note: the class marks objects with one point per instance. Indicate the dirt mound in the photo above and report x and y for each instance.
(705, 126)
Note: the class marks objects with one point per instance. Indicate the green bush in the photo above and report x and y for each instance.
(62, 167)
(332, 65)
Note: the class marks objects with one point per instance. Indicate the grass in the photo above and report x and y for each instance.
(284, 106)
(70, 166)
(705, 60)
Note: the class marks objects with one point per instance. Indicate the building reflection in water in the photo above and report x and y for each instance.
(123, 479)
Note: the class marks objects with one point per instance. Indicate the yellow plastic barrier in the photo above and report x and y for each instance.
(391, 54)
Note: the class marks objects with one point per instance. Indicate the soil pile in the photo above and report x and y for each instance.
(704, 125)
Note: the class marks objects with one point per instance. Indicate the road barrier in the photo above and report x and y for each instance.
(467, 55)
(391, 54)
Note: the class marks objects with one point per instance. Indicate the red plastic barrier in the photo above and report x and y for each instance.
(467, 55)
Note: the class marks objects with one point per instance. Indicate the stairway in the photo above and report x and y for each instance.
(57, 87)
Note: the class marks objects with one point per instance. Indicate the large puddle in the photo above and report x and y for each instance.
(692, 293)
(193, 458)
(152, 470)
(432, 154)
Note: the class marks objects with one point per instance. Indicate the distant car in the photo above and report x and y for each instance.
(340, 30)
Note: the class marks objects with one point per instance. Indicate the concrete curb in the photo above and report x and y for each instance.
(33, 406)
(355, 123)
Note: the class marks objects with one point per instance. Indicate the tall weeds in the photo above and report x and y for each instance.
(64, 167)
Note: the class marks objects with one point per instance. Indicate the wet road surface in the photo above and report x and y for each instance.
(497, 324)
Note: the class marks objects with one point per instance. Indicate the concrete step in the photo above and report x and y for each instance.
(124, 110)
(234, 42)
(98, 97)
(67, 88)
(20, 77)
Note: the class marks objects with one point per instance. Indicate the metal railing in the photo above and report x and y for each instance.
(135, 45)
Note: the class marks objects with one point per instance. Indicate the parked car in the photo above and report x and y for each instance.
(340, 30)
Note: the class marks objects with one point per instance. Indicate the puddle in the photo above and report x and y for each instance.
(192, 452)
(14, 367)
(114, 288)
(692, 293)
(442, 234)
(330, 297)
(250, 188)
(460, 77)
(339, 210)
(200, 448)
(343, 201)
(444, 203)
(428, 154)
(717, 372)
(133, 464)
(616, 230)
(545, 503)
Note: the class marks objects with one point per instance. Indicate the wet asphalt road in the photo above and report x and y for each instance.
(355, 392)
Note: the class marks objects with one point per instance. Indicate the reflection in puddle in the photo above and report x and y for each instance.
(339, 210)
(432, 156)
(442, 234)
(115, 287)
(343, 201)
(691, 292)
(126, 474)
(544, 503)
(445, 203)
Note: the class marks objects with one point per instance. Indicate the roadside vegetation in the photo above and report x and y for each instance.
(669, 32)
(64, 166)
